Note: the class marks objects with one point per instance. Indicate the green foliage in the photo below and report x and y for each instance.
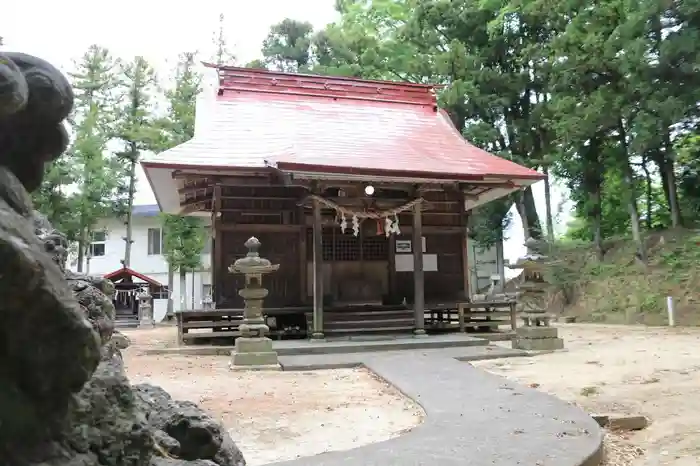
(97, 176)
(178, 125)
(135, 123)
(183, 241)
(183, 237)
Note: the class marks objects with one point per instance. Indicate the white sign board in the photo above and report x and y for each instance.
(404, 246)
(404, 263)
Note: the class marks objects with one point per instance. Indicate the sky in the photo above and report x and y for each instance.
(159, 31)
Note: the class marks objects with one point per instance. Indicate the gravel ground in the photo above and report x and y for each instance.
(628, 370)
(277, 416)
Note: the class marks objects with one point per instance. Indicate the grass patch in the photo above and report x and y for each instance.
(620, 289)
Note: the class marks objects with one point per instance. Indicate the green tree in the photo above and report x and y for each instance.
(135, 129)
(99, 176)
(598, 97)
(56, 200)
(287, 46)
(184, 237)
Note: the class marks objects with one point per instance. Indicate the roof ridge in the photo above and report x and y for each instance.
(234, 79)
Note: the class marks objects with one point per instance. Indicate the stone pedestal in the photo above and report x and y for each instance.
(145, 310)
(253, 350)
(254, 354)
(537, 339)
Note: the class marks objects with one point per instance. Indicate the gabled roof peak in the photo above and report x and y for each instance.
(257, 81)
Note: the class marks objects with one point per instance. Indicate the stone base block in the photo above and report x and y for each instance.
(538, 344)
(253, 353)
(147, 323)
(536, 332)
(419, 333)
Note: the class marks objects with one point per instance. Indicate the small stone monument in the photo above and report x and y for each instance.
(145, 309)
(253, 350)
(535, 334)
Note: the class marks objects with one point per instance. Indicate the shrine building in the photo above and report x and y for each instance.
(360, 190)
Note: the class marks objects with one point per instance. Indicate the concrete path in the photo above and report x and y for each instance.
(473, 419)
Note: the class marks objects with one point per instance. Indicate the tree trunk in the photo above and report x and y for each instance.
(533, 219)
(183, 289)
(597, 221)
(81, 251)
(193, 306)
(670, 176)
(668, 173)
(171, 285)
(665, 163)
(648, 194)
(501, 263)
(548, 207)
(520, 205)
(130, 205)
(631, 199)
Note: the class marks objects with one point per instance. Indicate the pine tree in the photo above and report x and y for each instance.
(98, 174)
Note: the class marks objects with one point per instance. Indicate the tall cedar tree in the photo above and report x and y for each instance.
(136, 130)
(98, 174)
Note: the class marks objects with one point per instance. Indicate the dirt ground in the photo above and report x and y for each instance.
(277, 416)
(631, 370)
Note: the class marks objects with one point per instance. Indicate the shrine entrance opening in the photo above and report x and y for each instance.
(355, 268)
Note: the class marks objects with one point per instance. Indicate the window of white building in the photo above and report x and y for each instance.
(98, 243)
(155, 241)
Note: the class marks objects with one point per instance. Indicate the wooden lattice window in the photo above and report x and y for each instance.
(343, 247)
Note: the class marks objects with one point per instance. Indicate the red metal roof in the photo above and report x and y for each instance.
(320, 124)
(125, 272)
(264, 82)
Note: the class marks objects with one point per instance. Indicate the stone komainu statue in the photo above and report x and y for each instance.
(64, 396)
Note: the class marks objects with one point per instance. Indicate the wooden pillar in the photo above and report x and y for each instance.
(392, 268)
(318, 272)
(303, 262)
(418, 275)
(217, 250)
(465, 252)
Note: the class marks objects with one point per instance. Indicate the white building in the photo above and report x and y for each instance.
(107, 253)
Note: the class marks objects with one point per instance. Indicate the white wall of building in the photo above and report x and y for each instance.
(150, 263)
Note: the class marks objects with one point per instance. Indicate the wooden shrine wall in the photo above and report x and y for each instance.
(274, 216)
(444, 285)
(282, 248)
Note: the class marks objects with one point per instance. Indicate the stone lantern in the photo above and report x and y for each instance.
(253, 350)
(535, 334)
(145, 309)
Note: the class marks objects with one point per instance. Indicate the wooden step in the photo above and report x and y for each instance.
(366, 315)
(384, 323)
(350, 331)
